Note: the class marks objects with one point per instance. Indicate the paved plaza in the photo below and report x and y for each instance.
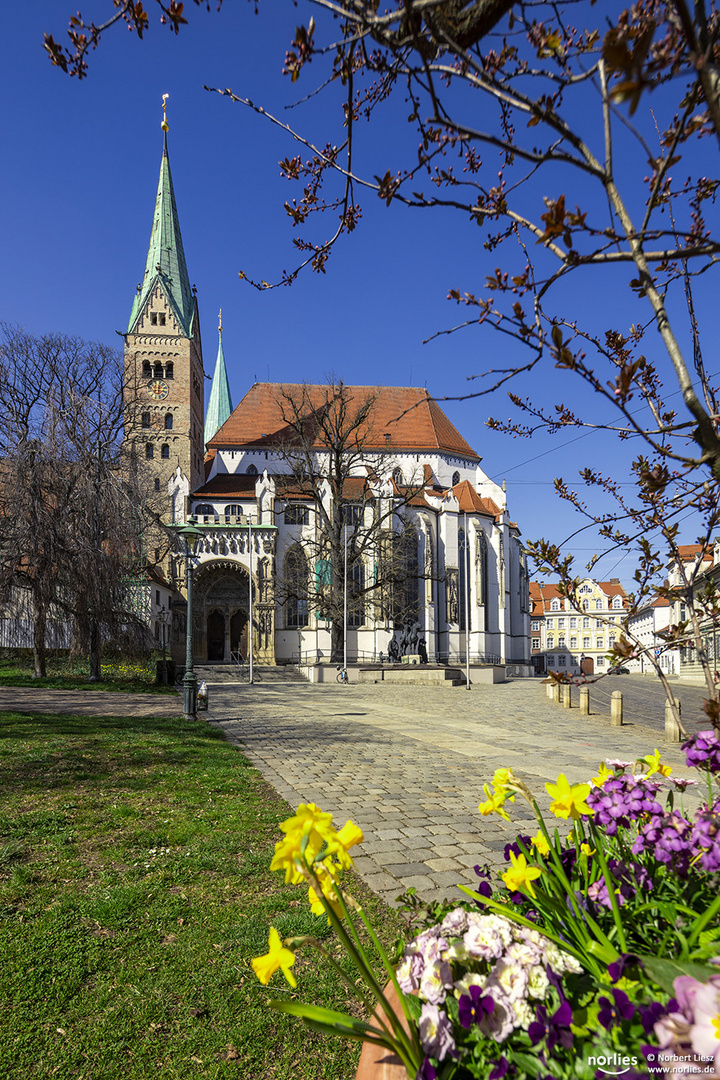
(407, 764)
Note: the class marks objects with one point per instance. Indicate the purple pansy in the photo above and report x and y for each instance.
(554, 1029)
(615, 1011)
(474, 1006)
(703, 751)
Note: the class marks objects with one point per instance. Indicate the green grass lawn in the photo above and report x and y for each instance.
(134, 676)
(134, 891)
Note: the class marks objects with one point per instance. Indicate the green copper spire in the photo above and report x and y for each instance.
(220, 403)
(166, 259)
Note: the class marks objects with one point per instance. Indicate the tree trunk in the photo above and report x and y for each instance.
(95, 650)
(39, 626)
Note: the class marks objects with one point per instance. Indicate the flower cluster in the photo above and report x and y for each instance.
(311, 840)
(691, 1031)
(498, 973)
(622, 800)
(702, 751)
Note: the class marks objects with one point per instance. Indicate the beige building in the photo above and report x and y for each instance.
(572, 639)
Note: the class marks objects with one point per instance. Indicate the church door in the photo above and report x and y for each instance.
(239, 634)
(216, 636)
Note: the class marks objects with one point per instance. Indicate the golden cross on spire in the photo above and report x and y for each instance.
(165, 126)
(220, 320)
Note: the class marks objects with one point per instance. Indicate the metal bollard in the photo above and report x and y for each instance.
(616, 708)
(584, 700)
(672, 730)
(567, 695)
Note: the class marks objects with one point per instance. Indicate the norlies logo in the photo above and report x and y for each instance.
(613, 1064)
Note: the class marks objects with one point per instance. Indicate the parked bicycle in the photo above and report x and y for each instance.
(342, 675)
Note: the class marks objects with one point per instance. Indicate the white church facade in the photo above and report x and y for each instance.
(239, 474)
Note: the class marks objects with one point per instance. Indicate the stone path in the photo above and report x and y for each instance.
(407, 764)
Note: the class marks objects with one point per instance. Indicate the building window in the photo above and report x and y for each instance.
(251, 470)
(145, 420)
(535, 625)
(165, 451)
(536, 643)
(149, 451)
(352, 514)
(232, 510)
(550, 661)
(601, 661)
(586, 624)
(296, 585)
(205, 511)
(611, 641)
(551, 642)
(561, 624)
(168, 421)
(617, 602)
(598, 605)
(295, 514)
(147, 370)
(586, 605)
(455, 478)
(561, 661)
(397, 477)
(573, 643)
(555, 605)
(356, 593)
(550, 623)
(561, 642)
(169, 369)
(586, 643)
(598, 622)
(573, 624)
(599, 643)
(157, 483)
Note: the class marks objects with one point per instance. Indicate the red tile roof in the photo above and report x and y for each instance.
(225, 485)
(470, 502)
(402, 418)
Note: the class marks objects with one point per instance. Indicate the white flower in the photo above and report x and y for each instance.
(472, 978)
(512, 979)
(538, 982)
(524, 954)
(524, 1014)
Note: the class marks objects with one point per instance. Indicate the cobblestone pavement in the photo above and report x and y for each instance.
(644, 700)
(408, 763)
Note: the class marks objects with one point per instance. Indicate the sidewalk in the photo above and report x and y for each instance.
(408, 764)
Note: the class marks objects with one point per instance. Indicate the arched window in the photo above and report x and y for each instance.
(158, 371)
(405, 575)
(397, 477)
(157, 483)
(149, 451)
(251, 470)
(145, 419)
(598, 605)
(232, 510)
(165, 451)
(555, 605)
(455, 478)
(205, 511)
(463, 576)
(617, 602)
(147, 370)
(168, 421)
(586, 605)
(169, 371)
(296, 587)
(356, 591)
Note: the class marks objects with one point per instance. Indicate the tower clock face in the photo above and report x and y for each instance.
(158, 389)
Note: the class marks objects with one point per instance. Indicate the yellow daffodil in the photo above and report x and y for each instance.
(311, 822)
(503, 777)
(540, 843)
(603, 774)
(495, 802)
(568, 801)
(655, 765)
(278, 958)
(520, 875)
(327, 887)
(585, 849)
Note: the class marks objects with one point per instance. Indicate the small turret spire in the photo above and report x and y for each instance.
(165, 126)
(220, 402)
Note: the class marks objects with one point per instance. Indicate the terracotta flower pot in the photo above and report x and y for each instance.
(377, 1063)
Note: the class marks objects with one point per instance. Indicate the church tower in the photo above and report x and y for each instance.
(164, 376)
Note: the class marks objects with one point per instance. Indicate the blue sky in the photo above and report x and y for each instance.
(77, 188)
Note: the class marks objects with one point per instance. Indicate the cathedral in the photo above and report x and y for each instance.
(261, 482)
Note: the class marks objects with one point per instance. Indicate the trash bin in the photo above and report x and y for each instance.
(202, 696)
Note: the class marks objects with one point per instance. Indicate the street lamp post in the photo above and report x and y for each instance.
(190, 535)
